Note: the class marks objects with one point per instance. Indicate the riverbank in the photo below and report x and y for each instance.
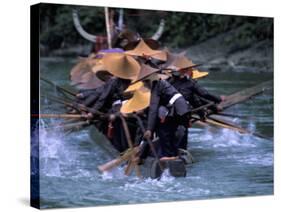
(227, 51)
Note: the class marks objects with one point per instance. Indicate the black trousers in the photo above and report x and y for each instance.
(182, 137)
(168, 135)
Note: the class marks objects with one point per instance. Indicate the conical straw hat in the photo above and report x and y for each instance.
(100, 71)
(134, 87)
(139, 101)
(89, 81)
(144, 72)
(120, 65)
(153, 44)
(142, 49)
(196, 74)
(83, 66)
(180, 62)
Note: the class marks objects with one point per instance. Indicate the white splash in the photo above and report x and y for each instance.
(116, 173)
(53, 152)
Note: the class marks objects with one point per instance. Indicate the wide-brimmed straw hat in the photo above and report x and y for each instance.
(139, 101)
(81, 74)
(196, 74)
(134, 87)
(180, 62)
(153, 44)
(100, 71)
(145, 72)
(119, 65)
(142, 49)
(89, 81)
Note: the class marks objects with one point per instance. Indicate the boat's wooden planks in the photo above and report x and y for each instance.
(103, 142)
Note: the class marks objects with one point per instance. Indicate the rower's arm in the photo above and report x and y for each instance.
(104, 95)
(153, 110)
(202, 92)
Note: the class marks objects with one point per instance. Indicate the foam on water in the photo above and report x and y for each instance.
(262, 159)
(225, 138)
(114, 174)
(54, 152)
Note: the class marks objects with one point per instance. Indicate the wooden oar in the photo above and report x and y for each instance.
(63, 102)
(117, 161)
(140, 123)
(126, 156)
(234, 115)
(77, 106)
(224, 124)
(58, 87)
(71, 126)
(245, 94)
(209, 104)
(130, 143)
(67, 116)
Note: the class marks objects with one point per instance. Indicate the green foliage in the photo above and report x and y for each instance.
(182, 29)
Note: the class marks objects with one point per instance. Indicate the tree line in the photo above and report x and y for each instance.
(182, 29)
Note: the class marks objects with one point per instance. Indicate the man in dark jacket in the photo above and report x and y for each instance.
(195, 94)
(122, 68)
(163, 95)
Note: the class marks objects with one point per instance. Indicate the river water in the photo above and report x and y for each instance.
(228, 164)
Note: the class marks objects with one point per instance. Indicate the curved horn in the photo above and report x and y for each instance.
(159, 31)
(80, 29)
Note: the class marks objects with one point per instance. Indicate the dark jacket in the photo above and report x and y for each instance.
(111, 92)
(90, 96)
(190, 90)
(161, 93)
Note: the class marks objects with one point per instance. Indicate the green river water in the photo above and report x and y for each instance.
(228, 164)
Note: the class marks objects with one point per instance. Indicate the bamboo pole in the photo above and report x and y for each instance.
(57, 86)
(60, 116)
(140, 123)
(76, 125)
(108, 31)
(130, 143)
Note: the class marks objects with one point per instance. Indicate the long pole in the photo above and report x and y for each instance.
(59, 116)
(107, 23)
(130, 143)
(57, 86)
(140, 123)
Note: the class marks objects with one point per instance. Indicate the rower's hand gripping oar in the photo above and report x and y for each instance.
(140, 123)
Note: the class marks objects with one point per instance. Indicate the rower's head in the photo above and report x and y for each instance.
(186, 72)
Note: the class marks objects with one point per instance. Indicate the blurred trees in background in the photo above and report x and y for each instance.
(182, 29)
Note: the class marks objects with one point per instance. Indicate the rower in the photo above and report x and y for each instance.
(84, 77)
(143, 53)
(123, 69)
(163, 94)
(182, 79)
